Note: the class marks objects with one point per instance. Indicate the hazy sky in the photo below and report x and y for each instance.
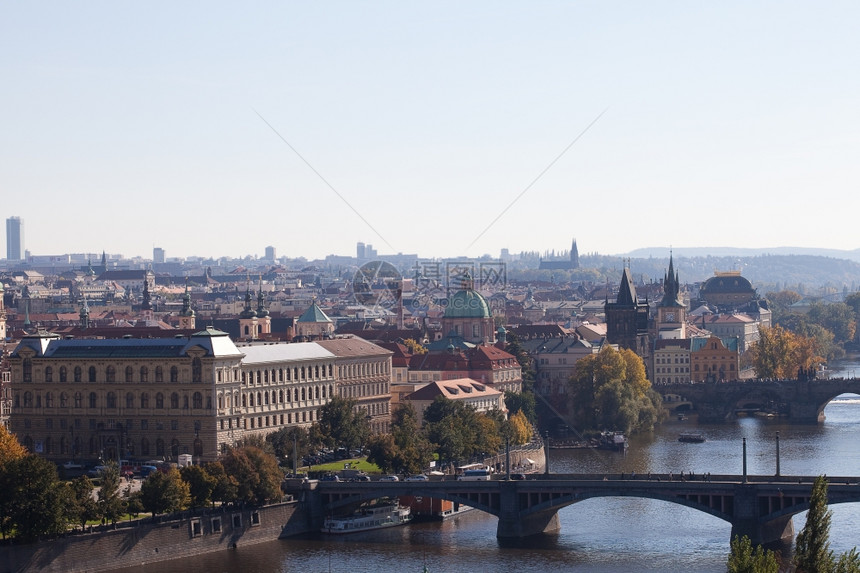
(125, 126)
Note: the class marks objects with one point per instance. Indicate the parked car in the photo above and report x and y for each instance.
(361, 477)
(96, 471)
(389, 478)
(419, 477)
(518, 476)
(330, 477)
(73, 466)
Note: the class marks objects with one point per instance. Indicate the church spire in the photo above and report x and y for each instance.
(261, 308)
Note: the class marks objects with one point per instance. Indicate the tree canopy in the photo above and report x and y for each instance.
(341, 424)
(779, 353)
(610, 391)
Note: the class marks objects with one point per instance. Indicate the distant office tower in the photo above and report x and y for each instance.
(14, 238)
(359, 251)
(271, 255)
(157, 255)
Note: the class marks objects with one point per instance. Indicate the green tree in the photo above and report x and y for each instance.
(383, 452)
(257, 475)
(848, 562)
(200, 485)
(164, 492)
(609, 390)
(413, 450)
(342, 424)
(110, 503)
(32, 501)
(283, 441)
(522, 402)
(744, 559)
(837, 317)
(812, 552)
(86, 509)
(226, 487)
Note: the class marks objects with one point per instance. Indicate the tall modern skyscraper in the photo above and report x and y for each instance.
(14, 239)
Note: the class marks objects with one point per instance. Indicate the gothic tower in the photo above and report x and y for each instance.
(627, 318)
(671, 312)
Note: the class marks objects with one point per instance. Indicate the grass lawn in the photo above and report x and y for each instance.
(354, 464)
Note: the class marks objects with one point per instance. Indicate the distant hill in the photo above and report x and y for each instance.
(767, 271)
(743, 252)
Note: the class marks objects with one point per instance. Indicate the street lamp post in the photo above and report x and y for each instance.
(546, 453)
(777, 453)
(745, 460)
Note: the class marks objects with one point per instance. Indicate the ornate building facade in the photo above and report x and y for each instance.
(86, 399)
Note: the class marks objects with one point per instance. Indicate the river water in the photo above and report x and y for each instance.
(599, 535)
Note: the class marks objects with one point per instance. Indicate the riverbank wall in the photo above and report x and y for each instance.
(147, 541)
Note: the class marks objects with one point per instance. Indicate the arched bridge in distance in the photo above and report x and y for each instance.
(799, 401)
(760, 507)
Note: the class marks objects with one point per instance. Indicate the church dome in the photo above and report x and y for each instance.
(467, 303)
(727, 283)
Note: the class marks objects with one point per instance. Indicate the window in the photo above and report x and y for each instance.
(92, 374)
(197, 401)
(144, 374)
(77, 373)
(110, 374)
(63, 374)
(28, 370)
(174, 374)
(144, 399)
(129, 373)
(159, 401)
(144, 444)
(28, 399)
(49, 374)
(49, 400)
(78, 399)
(159, 374)
(129, 400)
(197, 370)
(63, 399)
(111, 400)
(144, 424)
(174, 401)
(93, 400)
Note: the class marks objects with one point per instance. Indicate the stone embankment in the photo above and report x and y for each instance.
(152, 540)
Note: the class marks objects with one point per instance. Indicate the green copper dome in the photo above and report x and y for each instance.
(467, 303)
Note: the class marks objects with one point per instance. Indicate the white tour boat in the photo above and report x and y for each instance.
(378, 516)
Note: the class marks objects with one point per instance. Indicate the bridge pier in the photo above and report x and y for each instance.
(513, 525)
(746, 519)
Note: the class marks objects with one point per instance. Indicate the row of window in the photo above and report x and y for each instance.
(99, 446)
(315, 372)
(31, 399)
(681, 360)
(110, 373)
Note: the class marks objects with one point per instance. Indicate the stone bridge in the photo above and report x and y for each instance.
(757, 506)
(798, 401)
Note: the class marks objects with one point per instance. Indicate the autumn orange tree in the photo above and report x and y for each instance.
(780, 353)
(10, 448)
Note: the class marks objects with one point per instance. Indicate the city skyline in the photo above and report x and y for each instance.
(444, 130)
